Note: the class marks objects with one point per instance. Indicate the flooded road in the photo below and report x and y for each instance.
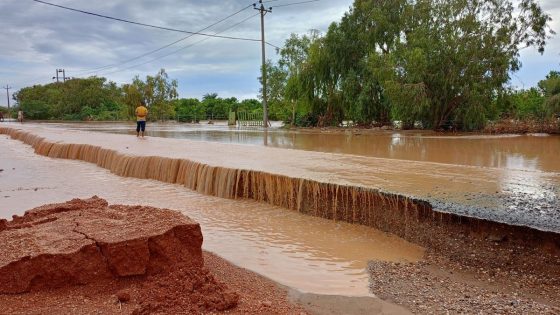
(520, 152)
(507, 195)
(303, 252)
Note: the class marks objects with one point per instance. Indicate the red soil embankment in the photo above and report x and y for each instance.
(87, 242)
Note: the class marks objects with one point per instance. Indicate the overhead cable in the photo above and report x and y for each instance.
(165, 46)
(180, 49)
(294, 3)
(144, 24)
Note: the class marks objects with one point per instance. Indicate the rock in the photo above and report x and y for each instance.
(83, 240)
(123, 296)
(266, 303)
(497, 238)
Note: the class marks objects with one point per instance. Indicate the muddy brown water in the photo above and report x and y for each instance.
(521, 152)
(302, 252)
(323, 184)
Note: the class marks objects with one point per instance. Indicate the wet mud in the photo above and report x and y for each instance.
(84, 256)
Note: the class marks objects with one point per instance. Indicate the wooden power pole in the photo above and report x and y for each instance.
(263, 12)
(8, 88)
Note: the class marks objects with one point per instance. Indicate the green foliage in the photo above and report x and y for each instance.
(408, 103)
(550, 88)
(89, 99)
(441, 63)
(35, 109)
(212, 107)
(189, 110)
(528, 104)
(158, 92)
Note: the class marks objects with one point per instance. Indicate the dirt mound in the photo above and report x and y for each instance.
(88, 241)
(84, 240)
(197, 291)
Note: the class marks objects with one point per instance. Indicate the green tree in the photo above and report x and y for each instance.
(189, 110)
(550, 88)
(462, 52)
(89, 98)
(157, 91)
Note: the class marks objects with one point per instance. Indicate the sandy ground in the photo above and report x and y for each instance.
(438, 285)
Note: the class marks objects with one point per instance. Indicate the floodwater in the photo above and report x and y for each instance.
(520, 152)
(529, 197)
(303, 252)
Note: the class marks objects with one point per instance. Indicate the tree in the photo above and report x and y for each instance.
(437, 62)
(550, 88)
(462, 52)
(157, 91)
(189, 110)
(75, 99)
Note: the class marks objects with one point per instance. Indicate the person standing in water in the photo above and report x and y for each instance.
(141, 114)
(20, 116)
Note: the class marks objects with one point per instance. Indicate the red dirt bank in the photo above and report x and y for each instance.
(85, 256)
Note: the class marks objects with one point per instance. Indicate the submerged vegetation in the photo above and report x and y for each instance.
(427, 64)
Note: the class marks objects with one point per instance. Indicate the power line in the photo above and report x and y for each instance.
(146, 25)
(182, 48)
(165, 46)
(294, 3)
(272, 45)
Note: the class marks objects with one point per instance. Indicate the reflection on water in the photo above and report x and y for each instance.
(527, 152)
(307, 253)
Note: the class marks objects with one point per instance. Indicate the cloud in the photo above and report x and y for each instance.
(37, 39)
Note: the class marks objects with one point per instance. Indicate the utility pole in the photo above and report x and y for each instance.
(8, 88)
(63, 75)
(263, 12)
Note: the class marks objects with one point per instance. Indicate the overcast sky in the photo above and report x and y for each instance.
(37, 39)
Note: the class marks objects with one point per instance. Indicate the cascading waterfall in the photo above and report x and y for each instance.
(397, 214)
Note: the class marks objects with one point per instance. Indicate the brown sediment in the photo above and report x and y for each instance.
(81, 241)
(126, 259)
(257, 295)
(407, 217)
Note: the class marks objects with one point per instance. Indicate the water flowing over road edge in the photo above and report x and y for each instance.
(406, 217)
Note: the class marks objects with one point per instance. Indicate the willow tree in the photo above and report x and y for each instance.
(320, 80)
(370, 30)
(461, 52)
(286, 88)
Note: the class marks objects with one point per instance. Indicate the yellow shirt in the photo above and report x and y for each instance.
(141, 113)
